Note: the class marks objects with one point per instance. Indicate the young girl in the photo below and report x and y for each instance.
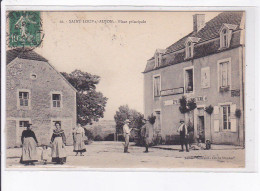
(44, 155)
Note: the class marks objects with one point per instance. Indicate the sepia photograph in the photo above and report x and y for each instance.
(125, 89)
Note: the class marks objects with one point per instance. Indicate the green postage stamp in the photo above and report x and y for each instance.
(25, 29)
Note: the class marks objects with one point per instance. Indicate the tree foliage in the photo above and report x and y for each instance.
(187, 106)
(90, 103)
(123, 113)
(238, 113)
(191, 105)
(183, 105)
(209, 109)
(152, 119)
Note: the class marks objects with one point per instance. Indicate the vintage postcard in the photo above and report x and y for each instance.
(125, 89)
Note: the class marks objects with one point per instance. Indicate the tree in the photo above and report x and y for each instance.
(90, 103)
(123, 113)
(187, 107)
(209, 110)
(238, 115)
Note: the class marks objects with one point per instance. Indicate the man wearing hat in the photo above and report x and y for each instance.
(183, 135)
(126, 131)
(145, 132)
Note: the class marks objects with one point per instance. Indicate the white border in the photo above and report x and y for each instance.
(13, 180)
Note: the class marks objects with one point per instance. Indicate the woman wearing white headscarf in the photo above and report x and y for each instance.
(78, 138)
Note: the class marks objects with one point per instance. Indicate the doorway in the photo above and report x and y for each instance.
(201, 128)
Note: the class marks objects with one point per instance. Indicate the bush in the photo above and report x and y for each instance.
(109, 137)
(152, 119)
(89, 134)
(98, 138)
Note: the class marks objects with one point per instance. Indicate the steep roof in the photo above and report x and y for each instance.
(24, 54)
(30, 55)
(208, 32)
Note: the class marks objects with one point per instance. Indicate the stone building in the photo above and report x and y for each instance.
(36, 93)
(208, 66)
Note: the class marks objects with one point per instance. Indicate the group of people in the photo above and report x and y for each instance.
(57, 144)
(146, 133)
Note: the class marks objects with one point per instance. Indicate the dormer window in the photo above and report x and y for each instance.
(158, 57)
(225, 38)
(189, 49)
(226, 35)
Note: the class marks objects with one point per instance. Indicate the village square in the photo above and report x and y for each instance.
(193, 102)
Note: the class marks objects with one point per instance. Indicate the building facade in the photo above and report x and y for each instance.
(36, 93)
(207, 66)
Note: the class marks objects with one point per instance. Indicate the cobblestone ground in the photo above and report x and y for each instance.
(110, 155)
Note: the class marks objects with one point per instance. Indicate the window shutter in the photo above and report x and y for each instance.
(233, 109)
(216, 125)
(233, 119)
(216, 118)
(216, 110)
(233, 125)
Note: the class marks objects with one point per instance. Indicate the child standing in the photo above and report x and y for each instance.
(44, 155)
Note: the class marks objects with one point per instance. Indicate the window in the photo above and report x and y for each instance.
(24, 99)
(189, 49)
(224, 74)
(56, 100)
(225, 38)
(54, 121)
(158, 58)
(188, 80)
(226, 117)
(225, 34)
(23, 123)
(157, 86)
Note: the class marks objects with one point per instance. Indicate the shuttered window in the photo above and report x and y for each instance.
(224, 74)
(226, 117)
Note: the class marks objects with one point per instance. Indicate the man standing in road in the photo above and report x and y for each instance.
(146, 130)
(183, 136)
(126, 131)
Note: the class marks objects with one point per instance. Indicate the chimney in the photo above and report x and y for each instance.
(198, 22)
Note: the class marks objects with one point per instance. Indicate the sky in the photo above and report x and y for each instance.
(117, 52)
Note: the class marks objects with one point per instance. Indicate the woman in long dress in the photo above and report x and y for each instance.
(58, 141)
(29, 141)
(78, 137)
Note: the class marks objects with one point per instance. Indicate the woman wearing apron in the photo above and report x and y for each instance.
(58, 141)
(78, 137)
(29, 141)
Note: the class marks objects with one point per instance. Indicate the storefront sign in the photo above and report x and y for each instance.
(171, 102)
(201, 98)
(177, 101)
(173, 91)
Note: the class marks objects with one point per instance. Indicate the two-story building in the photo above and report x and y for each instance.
(207, 65)
(36, 93)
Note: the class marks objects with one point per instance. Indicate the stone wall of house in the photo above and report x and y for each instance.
(20, 75)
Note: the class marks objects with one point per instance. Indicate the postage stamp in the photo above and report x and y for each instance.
(25, 29)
